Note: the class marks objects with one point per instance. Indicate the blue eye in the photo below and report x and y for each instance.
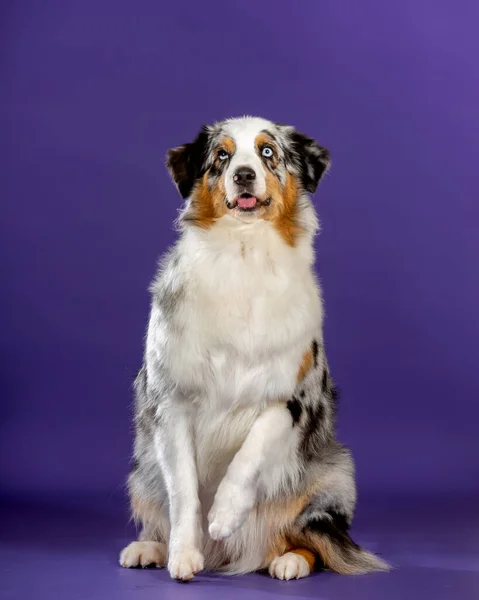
(223, 155)
(267, 152)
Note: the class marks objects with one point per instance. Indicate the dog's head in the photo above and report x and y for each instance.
(249, 168)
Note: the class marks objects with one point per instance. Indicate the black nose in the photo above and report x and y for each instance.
(244, 176)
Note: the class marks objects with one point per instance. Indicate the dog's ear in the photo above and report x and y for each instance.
(186, 163)
(307, 156)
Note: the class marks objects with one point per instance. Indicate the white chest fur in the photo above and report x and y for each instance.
(247, 314)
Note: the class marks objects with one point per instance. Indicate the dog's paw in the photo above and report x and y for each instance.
(289, 566)
(230, 509)
(185, 564)
(143, 554)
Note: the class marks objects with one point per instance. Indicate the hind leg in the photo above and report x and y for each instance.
(295, 564)
(150, 549)
(323, 525)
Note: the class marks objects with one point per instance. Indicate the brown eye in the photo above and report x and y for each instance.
(223, 155)
(267, 152)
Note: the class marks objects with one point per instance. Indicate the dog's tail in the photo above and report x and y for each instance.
(327, 535)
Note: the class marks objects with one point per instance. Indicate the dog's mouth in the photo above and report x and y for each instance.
(248, 203)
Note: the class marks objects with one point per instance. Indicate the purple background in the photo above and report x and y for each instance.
(92, 94)
(95, 92)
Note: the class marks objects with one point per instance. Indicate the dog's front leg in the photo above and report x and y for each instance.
(270, 435)
(176, 455)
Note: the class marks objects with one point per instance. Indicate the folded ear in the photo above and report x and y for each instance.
(186, 163)
(311, 159)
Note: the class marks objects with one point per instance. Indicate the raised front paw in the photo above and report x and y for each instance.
(230, 509)
(183, 565)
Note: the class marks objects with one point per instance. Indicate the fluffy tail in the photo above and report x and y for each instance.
(328, 536)
(346, 557)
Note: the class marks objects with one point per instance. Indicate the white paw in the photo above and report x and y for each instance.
(184, 565)
(289, 566)
(143, 554)
(230, 509)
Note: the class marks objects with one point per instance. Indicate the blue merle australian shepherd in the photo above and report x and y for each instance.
(236, 465)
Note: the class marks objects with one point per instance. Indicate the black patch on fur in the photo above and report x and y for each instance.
(312, 429)
(315, 351)
(302, 394)
(335, 525)
(309, 157)
(330, 390)
(316, 414)
(324, 381)
(187, 162)
(295, 408)
(136, 465)
(215, 170)
(339, 519)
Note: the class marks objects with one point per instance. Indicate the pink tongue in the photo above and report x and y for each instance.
(247, 202)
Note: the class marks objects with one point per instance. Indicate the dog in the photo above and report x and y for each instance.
(236, 465)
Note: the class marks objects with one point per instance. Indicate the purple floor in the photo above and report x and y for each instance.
(71, 554)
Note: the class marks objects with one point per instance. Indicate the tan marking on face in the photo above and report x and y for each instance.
(208, 199)
(229, 145)
(207, 203)
(305, 365)
(283, 210)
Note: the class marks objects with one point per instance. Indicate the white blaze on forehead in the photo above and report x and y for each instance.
(244, 132)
